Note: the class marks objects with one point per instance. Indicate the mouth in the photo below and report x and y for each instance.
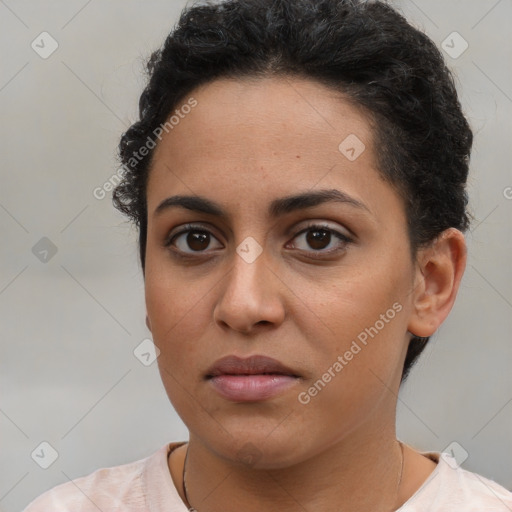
(254, 365)
(252, 379)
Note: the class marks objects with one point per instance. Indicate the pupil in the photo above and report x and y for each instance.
(318, 239)
(198, 241)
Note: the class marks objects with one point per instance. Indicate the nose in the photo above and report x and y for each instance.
(250, 297)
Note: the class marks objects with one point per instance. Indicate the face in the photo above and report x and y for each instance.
(292, 247)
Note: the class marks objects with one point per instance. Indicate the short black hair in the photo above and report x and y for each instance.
(364, 49)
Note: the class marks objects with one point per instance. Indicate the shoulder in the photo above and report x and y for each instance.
(105, 489)
(450, 488)
(481, 492)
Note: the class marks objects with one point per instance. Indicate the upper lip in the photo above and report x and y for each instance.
(254, 365)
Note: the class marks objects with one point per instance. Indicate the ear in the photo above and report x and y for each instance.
(148, 323)
(440, 268)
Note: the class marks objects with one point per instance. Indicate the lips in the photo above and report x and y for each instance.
(254, 365)
(254, 379)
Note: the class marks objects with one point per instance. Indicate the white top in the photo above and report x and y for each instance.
(146, 486)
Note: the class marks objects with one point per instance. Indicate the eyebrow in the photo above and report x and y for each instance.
(278, 207)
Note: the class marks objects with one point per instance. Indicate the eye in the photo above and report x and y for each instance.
(193, 239)
(321, 239)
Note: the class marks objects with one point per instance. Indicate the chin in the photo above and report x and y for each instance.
(258, 450)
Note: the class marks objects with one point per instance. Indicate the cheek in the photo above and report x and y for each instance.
(357, 362)
(348, 305)
(360, 324)
(178, 314)
(178, 320)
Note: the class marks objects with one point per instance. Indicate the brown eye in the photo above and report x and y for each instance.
(194, 240)
(198, 241)
(320, 240)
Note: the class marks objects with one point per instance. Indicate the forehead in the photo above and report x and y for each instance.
(280, 112)
(261, 138)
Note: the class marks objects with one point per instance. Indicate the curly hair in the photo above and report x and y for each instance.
(364, 49)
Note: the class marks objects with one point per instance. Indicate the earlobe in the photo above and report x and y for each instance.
(440, 269)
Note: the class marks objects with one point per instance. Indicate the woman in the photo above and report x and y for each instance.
(298, 179)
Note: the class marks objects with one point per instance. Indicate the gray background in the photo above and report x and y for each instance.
(70, 325)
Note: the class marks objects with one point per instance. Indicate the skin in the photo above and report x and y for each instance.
(247, 143)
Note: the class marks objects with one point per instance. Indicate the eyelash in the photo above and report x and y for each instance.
(187, 228)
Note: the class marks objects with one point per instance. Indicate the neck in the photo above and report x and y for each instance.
(359, 473)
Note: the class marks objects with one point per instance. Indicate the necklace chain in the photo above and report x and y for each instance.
(187, 502)
(192, 509)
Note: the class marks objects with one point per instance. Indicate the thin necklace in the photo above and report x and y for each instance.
(187, 503)
(192, 509)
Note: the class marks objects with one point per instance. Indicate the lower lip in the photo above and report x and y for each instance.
(251, 388)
